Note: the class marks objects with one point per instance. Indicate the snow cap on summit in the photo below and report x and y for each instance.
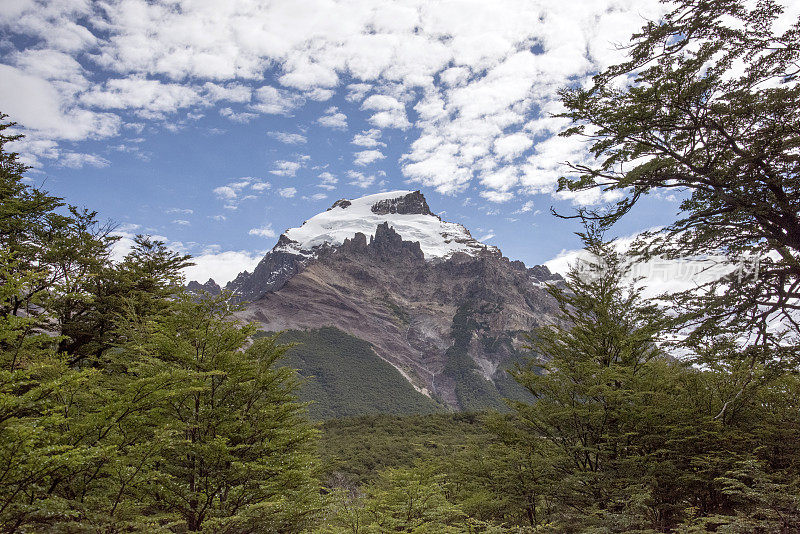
(406, 211)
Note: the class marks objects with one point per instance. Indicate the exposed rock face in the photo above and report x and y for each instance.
(411, 204)
(210, 287)
(405, 211)
(271, 273)
(449, 312)
(452, 327)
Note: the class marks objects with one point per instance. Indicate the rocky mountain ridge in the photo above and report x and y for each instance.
(448, 312)
(406, 211)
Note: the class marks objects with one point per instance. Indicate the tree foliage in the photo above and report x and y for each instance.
(707, 105)
(125, 405)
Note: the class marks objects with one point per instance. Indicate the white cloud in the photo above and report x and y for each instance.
(181, 222)
(381, 103)
(471, 71)
(333, 118)
(357, 91)
(320, 95)
(181, 211)
(222, 266)
(151, 96)
(39, 106)
(511, 146)
(76, 160)
(229, 92)
(328, 181)
(365, 157)
(244, 188)
(655, 276)
(287, 192)
(274, 101)
(286, 168)
(391, 113)
(368, 138)
(263, 231)
(360, 179)
(497, 196)
(225, 192)
(525, 208)
(242, 117)
(288, 138)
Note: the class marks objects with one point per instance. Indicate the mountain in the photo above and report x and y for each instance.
(448, 312)
(405, 211)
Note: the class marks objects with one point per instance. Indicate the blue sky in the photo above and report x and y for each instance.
(218, 125)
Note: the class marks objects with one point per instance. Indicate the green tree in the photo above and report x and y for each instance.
(401, 499)
(599, 381)
(239, 454)
(708, 104)
(119, 396)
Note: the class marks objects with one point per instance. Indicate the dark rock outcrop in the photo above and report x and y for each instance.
(210, 287)
(410, 204)
(271, 273)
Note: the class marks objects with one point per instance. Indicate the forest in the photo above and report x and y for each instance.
(129, 405)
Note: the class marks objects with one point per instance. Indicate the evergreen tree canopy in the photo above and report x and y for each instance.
(125, 405)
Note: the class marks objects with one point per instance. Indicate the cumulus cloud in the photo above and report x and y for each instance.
(368, 138)
(497, 196)
(288, 138)
(244, 188)
(390, 112)
(242, 117)
(263, 231)
(76, 160)
(365, 157)
(480, 77)
(39, 105)
(143, 95)
(286, 168)
(274, 101)
(221, 266)
(229, 92)
(525, 208)
(511, 146)
(333, 118)
(656, 276)
(287, 192)
(225, 192)
(327, 181)
(359, 179)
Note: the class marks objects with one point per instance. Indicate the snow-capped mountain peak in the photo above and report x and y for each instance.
(405, 211)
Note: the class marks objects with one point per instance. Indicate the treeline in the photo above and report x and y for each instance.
(125, 405)
(128, 406)
(622, 437)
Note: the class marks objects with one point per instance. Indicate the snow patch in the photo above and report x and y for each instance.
(438, 239)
